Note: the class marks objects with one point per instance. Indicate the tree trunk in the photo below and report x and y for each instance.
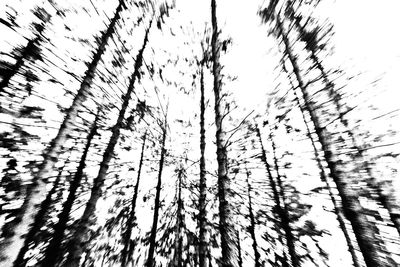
(203, 238)
(282, 213)
(79, 242)
(150, 259)
(39, 219)
(324, 178)
(252, 228)
(385, 198)
(54, 248)
(126, 253)
(226, 225)
(37, 191)
(290, 239)
(179, 224)
(351, 204)
(240, 258)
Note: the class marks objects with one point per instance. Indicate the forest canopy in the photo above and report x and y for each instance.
(199, 133)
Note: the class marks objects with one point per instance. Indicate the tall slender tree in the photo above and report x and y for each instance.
(54, 248)
(290, 238)
(126, 253)
(40, 216)
(203, 238)
(239, 248)
(312, 45)
(226, 225)
(324, 177)
(153, 234)
(10, 246)
(352, 207)
(178, 251)
(252, 230)
(79, 242)
(280, 207)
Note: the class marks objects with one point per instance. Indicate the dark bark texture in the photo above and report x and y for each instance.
(226, 225)
(203, 241)
(150, 258)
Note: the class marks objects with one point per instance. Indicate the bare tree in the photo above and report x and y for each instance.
(226, 225)
(153, 234)
(203, 239)
(280, 205)
(36, 193)
(285, 216)
(385, 198)
(324, 177)
(40, 217)
(353, 210)
(180, 220)
(252, 228)
(127, 250)
(54, 248)
(78, 244)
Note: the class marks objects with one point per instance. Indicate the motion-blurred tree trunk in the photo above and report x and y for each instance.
(285, 216)
(54, 248)
(252, 228)
(203, 239)
(384, 196)
(351, 205)
(177, 262)
(39, 218)
(323, 176)
(126, 253)
(79, 242)
(282, 214)
(226, 225)
(239, 249)
(150, 258)
(37, 190)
